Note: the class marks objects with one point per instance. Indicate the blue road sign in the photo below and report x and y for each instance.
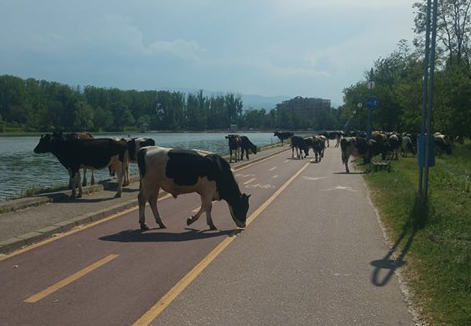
(372, 102)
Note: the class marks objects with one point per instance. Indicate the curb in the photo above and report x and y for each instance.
(20, 241)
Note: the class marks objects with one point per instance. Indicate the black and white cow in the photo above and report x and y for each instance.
(179, 171)
(358, 147)
(282, 135)
(245, 146)
(442, 142)
(74, 154)
(407, 146)
(298, 143)
(234, 142)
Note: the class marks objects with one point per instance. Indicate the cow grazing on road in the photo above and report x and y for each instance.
(234, 146)
(245, 146)
(82, 135)
(357, 147)
(74, 154)
(298, 143)
(282, 135)
(179, 171)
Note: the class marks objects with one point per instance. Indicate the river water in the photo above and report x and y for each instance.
(21, 168)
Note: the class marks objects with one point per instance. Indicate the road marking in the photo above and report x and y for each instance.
(258, 185)
(249, 181)
(273, 168)
(70, 279)
(313, 178)
(275, 176)
(341, 188)
(178, 288)
(286, 161)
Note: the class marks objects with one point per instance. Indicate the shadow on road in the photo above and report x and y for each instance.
(416, 221)
(163, 236)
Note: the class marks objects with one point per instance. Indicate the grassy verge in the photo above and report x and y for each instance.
(433, 239)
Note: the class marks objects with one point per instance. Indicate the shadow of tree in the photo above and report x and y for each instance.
(416, 221)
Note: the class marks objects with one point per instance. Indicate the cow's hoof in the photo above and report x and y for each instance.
(117, 196)
(79, 196)
(144, 227)
(162, 226)
(189, 220)
(212, 227)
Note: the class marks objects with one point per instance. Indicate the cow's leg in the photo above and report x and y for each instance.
(92, 181)
(119, 168)
(84, 181)
(141, 197)
(75, 182)
(207, 205)
(152, 198)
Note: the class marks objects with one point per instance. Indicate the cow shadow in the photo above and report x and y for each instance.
(164, 236)
(354, 172)
(390, 263)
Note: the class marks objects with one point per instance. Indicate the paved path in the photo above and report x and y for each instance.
(308, 259)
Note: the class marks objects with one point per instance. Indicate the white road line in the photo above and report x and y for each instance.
(249, 181)
(275, 176)
(273, 168)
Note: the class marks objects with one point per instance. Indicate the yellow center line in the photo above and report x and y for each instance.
(70, 279)
(249, 181)
(178, 288)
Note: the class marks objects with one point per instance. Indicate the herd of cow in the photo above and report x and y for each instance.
(176, 171)
(181, 171)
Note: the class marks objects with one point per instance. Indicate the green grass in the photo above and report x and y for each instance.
(435, 237)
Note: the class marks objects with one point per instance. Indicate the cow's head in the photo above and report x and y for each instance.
(239, 210)
(44, 145)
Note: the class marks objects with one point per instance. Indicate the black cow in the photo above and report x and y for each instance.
(81, 135)
(245, 146)
(317, 143)
(298, 143)
(74, 154)
(234, 145)
(179, 171)
(283, 135)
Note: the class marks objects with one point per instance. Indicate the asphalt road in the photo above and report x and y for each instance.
(306, 258)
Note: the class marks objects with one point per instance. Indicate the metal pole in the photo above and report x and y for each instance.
(424, 91)
(430, 97)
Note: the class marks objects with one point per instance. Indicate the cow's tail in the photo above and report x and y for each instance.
(141, 162)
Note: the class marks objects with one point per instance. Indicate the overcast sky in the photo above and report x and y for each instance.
(310, 48)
